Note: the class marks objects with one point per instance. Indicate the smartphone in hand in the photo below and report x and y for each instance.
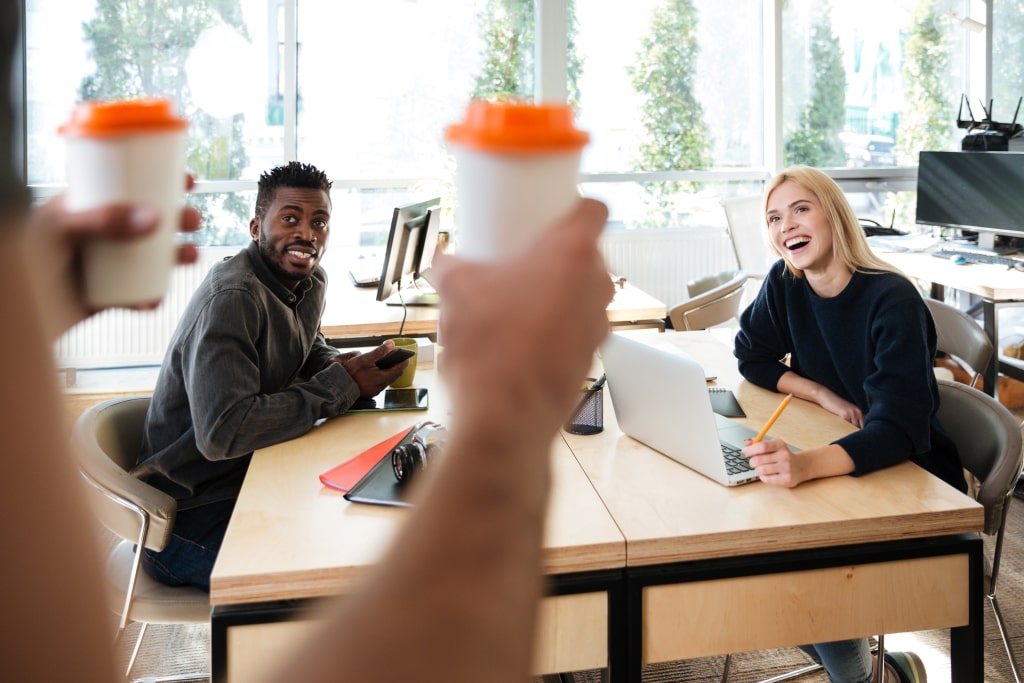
(394, 357)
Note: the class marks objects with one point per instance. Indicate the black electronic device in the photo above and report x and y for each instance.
(394, 357)
(412, 398)
(986, 135)
(412, 241)
(974, 192)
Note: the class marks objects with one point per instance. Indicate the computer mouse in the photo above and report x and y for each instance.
(959, 260)
(1018, 265)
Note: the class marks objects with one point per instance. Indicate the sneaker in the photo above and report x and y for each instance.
(904, 667)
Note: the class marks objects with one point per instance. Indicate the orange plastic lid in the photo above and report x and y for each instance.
(517, 127)
(94, 119)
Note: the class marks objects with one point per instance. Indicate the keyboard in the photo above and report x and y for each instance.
(979, 257)
(735, 461)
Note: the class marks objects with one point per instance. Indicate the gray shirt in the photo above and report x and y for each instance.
(246, 368)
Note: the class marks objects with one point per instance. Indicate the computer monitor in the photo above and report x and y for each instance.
(410, 250)
(979, 192)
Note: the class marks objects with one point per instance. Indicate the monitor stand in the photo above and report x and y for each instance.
(417, 295)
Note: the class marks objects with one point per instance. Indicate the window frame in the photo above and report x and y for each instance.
(550, 85)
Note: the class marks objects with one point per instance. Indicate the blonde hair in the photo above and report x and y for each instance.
(848, 240)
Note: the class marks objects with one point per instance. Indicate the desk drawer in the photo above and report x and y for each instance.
(572, 635)
(703, 618)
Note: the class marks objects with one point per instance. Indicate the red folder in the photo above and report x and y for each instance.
(347, 474)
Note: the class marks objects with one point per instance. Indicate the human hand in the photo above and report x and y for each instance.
(53, 240)
(362, 367)
(519, 335)
(774, 462)
(841, 407)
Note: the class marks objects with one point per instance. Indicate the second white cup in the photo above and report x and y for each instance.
(132, 151)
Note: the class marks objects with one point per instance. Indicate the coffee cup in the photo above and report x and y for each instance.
(517, 172)
(128, 151)
(405, 379)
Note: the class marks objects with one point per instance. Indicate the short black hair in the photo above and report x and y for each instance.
(292, 174)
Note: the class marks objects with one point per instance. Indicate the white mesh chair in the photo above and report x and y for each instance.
(106, 440)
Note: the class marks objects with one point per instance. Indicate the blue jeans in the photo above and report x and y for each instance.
(192, 549)
(845, 661)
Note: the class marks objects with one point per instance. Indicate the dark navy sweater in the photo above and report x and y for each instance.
(873, 344)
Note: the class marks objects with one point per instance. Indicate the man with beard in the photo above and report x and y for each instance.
(247, 368)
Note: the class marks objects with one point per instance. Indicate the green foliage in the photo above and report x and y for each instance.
(508, 57)
(507, 27)
(676, 134)
(816, 141)
(140, 48)
(929, 106)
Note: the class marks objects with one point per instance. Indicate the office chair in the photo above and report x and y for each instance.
(746, 228)
(960, 335)
(106, 439)
(713, 300)
(988, 438)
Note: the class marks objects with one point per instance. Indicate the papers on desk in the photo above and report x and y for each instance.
(368, 477)
(346, 475)
(912, 242)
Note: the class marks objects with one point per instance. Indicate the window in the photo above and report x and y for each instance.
(687, 101)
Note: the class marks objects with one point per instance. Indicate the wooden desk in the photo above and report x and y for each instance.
(713, 570)
(997, 286)
(291, 540)
(649, 561)
(353, 313)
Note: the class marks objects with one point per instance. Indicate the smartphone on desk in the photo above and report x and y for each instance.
(413, 398)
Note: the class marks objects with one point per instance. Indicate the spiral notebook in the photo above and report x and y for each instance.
(724, 402)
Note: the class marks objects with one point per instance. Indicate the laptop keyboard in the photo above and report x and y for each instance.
(735, 461)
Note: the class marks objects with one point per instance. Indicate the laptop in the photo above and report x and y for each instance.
(661, 399)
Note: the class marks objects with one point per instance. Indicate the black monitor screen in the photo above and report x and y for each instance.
(411, 243)
(981, 191)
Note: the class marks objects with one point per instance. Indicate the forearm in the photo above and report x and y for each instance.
(44, 517)
(459, 586)
(801, 387)
(819, 463)
(239, 419)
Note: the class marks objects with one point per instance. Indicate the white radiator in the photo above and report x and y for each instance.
(120, 338)
(661, 262)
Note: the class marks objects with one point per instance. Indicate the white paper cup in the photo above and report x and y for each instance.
(131, 151)
(517, 169)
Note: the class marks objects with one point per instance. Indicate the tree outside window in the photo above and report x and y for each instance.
(143, 53)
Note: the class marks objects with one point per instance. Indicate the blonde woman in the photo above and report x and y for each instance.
(836, 325)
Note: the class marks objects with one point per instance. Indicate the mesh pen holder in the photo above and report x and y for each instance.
(588, 417)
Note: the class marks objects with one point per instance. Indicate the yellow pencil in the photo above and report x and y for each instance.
(772, 419)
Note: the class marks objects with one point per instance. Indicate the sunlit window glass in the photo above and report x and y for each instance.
(862, 92)
(669, 85)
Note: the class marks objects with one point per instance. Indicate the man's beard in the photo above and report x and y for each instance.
(268, 254)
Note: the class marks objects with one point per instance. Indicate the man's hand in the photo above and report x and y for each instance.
(519, 336)
(363, 369)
